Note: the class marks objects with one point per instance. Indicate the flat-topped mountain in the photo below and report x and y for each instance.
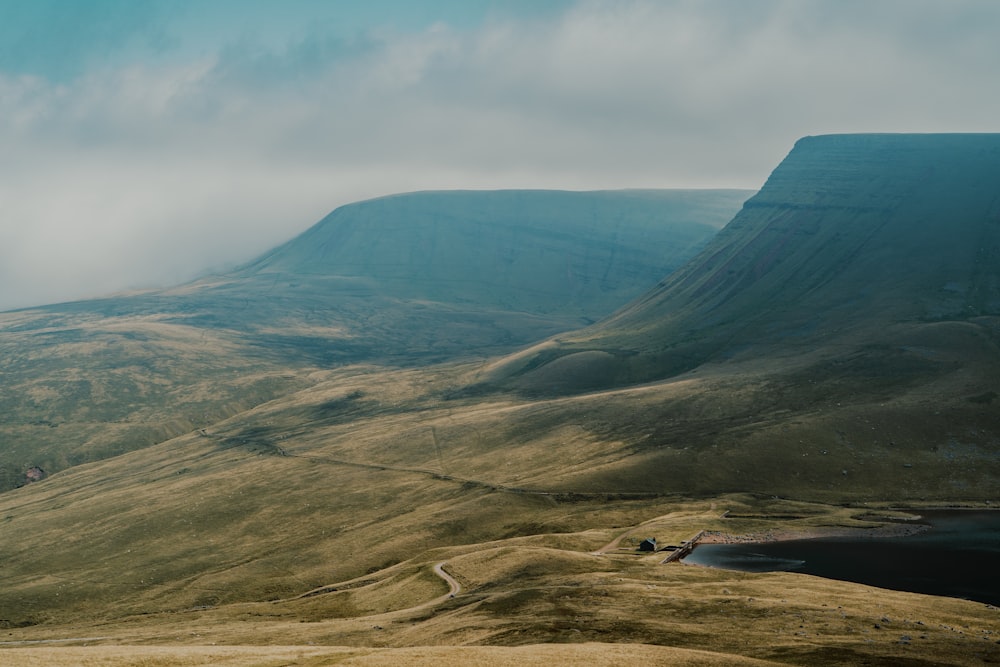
(403, 280)
(293, 470)
(427, 276)
(536, 251)
(855, 240)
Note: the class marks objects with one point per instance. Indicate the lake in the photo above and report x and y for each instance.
(957, 556)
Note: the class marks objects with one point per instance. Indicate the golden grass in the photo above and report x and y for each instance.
(523, 592)
(611, 655)
(355, 486)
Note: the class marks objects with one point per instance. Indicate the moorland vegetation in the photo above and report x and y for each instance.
(446, 448)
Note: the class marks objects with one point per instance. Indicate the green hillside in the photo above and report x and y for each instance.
(404, 280)
(855, 241)
(536, 251)
(336, 467)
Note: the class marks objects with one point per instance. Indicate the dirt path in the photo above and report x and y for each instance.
(641, 528)
(614, 544)
(438, 475)
(456, 587)
(466, 481)
(397, 615)
(68, 640)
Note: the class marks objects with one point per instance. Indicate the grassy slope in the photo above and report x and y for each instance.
(364, 479)
(854, 242)
(542, 656)
(529, 251)
(82, 388)
(85, 381)
(369, 479)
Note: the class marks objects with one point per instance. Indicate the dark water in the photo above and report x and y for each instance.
(958, 556)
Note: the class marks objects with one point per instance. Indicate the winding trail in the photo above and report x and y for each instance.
(67, 640)
(237, 441)
(614, 544)
(686, 545)
(454, 587)
(396, 615)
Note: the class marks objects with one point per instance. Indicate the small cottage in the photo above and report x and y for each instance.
(648, 544)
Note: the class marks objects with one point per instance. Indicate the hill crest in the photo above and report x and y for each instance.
(533, 250)
(851, 236)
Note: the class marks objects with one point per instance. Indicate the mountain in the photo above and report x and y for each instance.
(839, 339)
(310, 478)
(544, 252)
(884, 249)
(434, 275)
(401, 280)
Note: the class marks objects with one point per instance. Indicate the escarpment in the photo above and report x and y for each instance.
(852, 239)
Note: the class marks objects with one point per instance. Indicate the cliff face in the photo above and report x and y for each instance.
(850, 236)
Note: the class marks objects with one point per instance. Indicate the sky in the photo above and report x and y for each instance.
(146, 142)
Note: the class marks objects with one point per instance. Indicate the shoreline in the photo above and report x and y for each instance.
(887, 527)
(791, 534)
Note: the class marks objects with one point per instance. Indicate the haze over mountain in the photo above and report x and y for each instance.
(543, 252)
(406, 279)
(833, 353)
(193, 133)
(509, 264)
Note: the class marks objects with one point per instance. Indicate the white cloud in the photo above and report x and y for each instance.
(149, 172)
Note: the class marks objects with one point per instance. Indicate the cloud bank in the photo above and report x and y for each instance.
(147, 152)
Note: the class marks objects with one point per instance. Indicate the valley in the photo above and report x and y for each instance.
(436, 427)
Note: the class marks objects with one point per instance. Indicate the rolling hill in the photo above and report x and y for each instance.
(830, 355)
(403, 280)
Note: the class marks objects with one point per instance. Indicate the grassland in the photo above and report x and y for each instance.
(591, 654)
(316, 519)
(401, 281)
(279, 467)
(558, 597)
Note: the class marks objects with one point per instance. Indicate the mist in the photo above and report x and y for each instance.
(182, 138)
